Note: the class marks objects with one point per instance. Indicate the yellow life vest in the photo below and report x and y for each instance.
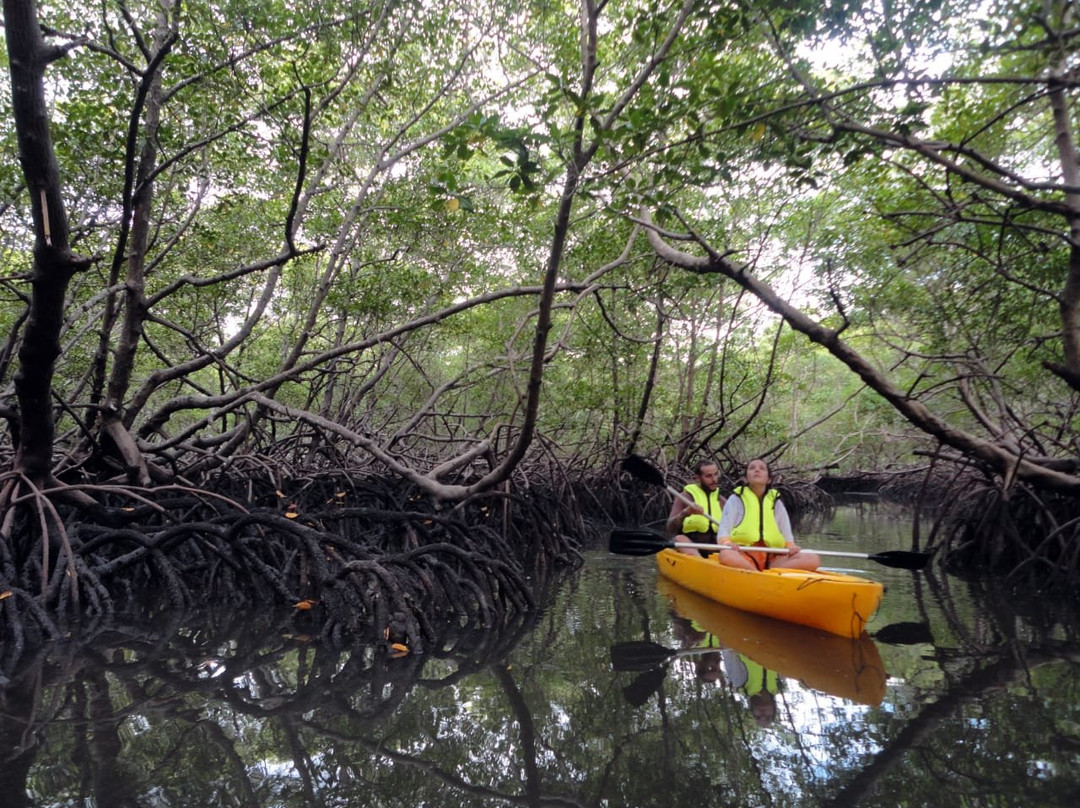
(759, 519)
(758, 678)
(710, 503)
(710, 640)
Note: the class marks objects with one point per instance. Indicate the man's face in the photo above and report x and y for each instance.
(709, 477)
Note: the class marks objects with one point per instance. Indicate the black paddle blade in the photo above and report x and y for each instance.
(644, 686)
(904, 633)
(639, 656)
(903, 559)
(637, 542)
(639, 467)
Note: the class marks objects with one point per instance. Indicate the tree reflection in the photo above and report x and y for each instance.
(246, 710)
(221, 709)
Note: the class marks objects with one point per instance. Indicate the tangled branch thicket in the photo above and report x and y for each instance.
(363, 558)
(1032, 536)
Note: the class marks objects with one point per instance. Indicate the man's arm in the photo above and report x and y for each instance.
(679, 511)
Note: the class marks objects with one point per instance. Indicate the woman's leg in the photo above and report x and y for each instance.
(737, 559)
(802, 560)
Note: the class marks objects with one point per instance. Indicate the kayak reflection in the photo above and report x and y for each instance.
(754, 653)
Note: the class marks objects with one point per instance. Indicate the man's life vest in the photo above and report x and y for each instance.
(709, 640)
(759, 519)
(710, 503)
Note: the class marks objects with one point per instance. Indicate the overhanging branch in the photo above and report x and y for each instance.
(1001, 460)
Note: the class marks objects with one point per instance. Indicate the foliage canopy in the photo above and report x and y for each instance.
(427, 235)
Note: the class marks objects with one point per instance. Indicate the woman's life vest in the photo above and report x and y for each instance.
(758, 525)
(750, 677)
(710, 503)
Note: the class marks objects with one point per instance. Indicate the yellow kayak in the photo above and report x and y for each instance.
(831, 601)
(848, 668)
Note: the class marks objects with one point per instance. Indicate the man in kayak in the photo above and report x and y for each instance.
(716, 662)
(689, 521)
(754, 515)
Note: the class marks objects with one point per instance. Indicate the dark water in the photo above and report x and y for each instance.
(962, 695)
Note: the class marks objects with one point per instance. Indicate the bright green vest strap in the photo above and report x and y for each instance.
(759, 519)
(710, 503)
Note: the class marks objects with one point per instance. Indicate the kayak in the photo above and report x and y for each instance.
(849, 668)
(831, 601)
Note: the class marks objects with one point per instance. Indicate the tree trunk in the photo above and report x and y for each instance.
(139, 199)
(54, 264)
(1069, 303)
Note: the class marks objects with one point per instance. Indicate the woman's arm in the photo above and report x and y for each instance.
(783, 521)
(732, 515)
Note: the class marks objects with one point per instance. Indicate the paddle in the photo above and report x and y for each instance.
(644, 686)
(642, 655)
(903, 633)
(639, 542)
(637, 466)
(648, 657)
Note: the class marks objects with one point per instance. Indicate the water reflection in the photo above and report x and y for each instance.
(979, 706)
(752, 655)
(849, 669)
(240, 710)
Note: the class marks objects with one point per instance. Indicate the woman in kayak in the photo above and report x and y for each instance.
(754, 515)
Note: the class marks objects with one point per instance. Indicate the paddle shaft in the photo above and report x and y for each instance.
(680, 495)
(755, 549)
(716, 547)
(639, 542)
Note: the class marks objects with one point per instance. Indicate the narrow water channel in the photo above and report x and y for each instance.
(622, 692)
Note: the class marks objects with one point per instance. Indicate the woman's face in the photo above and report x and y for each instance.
(757, 472)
